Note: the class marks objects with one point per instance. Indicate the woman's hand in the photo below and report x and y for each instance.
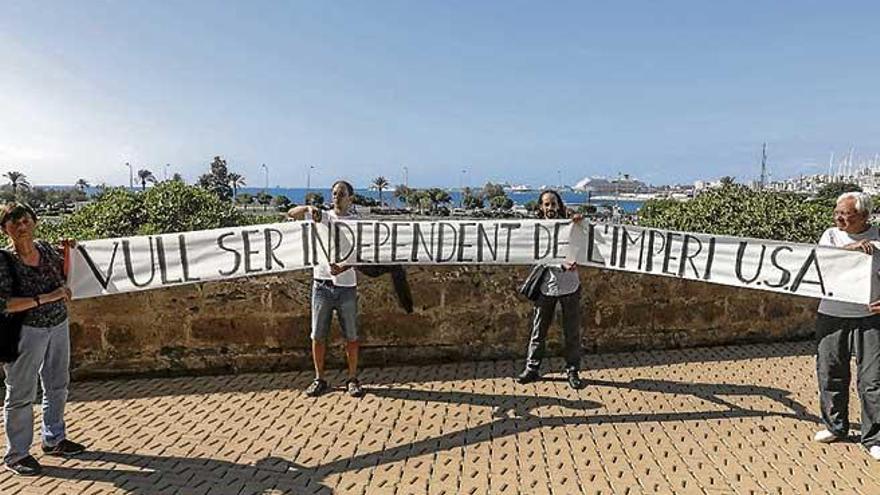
(68, 243)
(864, 246)
(875, 307)
(577, 218)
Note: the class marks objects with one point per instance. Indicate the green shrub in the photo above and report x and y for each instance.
(738, 211)
(262, 219)
(176, 207)
(830, 192)
(501, 202)
(117, 213)
(170, 206)
(362, 200)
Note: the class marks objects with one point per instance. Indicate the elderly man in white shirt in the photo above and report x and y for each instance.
(846, 328)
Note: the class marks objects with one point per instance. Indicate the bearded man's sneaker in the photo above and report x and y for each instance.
(574, 381)
(528, 376)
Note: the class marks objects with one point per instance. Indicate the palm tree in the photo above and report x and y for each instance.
(425, 202)
(236, 181)
(82, 184)
(244, 199)
(16, 180)
(403, 194)
(439, 196)
(380, 184)
(470, 199)
(145, 176)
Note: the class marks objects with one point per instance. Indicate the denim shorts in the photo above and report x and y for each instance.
(326, 298)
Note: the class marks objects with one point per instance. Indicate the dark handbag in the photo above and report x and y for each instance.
(10, 323)
(531, 288)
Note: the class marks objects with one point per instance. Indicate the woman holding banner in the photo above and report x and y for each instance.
(33, 301)
(843, 328)
(558, 284)
(334, 290)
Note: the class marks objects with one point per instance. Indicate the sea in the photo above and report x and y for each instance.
(571, 198)
(297, 196)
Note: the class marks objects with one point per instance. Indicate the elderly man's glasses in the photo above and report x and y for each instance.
(846, 213)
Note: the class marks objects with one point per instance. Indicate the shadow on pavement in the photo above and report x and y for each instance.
(732, 352)
(514, 414)
(135, 388)
(140, 474)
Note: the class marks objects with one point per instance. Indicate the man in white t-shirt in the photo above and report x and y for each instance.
(334, 289)
(843, 328)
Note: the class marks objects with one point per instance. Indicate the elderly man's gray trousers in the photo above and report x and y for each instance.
(545, 307)
(837, 339)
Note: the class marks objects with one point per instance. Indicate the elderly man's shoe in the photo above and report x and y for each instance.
(528, 376)
(874, 451)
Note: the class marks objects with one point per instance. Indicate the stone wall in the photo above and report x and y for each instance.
(462, 313)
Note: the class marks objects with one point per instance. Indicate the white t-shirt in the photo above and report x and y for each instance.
(838, 238)
(348, 278)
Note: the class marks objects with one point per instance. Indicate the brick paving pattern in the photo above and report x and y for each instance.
(735, 419)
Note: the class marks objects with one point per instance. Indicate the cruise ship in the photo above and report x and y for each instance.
(518, 188)
(601, 185)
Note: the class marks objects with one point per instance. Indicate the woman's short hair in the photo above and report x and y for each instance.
(862, 201)
(348, 186)
(563, 211)
(13, 211)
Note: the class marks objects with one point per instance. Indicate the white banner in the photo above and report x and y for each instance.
(111, 266)
(793, 268)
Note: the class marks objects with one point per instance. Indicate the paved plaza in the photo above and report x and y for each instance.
(736, 419)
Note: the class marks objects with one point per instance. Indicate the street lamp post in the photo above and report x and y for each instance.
(130, 176)
(616, 214)
(309, 178)
(461, 188)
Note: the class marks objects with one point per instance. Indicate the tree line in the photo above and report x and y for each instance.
(173, 206)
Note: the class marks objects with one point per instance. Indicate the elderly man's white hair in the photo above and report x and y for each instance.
(862, 201)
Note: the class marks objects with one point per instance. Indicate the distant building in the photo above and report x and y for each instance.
(704, 185)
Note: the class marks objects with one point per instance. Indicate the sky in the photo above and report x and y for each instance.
(446, 92)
